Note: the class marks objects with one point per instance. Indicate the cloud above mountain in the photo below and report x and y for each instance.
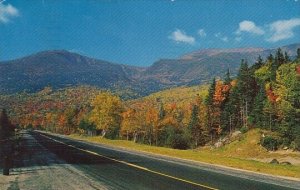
(283, 29)
(7, 12)
(181, 37)
(249, 27)
(270, 32)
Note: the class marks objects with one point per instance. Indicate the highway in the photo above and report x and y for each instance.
(118, 169)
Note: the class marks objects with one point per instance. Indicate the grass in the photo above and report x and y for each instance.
(246, 147)
(236, 154)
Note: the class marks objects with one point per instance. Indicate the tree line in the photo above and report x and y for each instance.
(265, 95)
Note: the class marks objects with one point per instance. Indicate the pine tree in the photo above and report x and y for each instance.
(195, 127)
(257, 113)
(270, 58)
(278, 61)
(210, 108)
(211, 92)
(279, 57)
(233, 110)
(258, 64)
(246, 89)
(227, 78)
(286, 57)
(225, 107)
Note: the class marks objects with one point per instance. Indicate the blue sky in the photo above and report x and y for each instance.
(141, 32)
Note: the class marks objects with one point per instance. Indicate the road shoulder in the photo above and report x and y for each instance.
(250, 175)
(38, 168)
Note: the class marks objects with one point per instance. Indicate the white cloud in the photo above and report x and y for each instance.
(7, 12)
(181, 36)
(250, 27)
(202, 33)
(221, 37)
(283, 29)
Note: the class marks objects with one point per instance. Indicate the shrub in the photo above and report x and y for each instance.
(286, 142)
(112, 132)
(270, 142)
(176, 138)
(180, 142)
(244, 129)
(296, 144)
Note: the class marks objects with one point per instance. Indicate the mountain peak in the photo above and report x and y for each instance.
(61, 52)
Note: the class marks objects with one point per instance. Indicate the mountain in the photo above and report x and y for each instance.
(60, 68)
(200, 66)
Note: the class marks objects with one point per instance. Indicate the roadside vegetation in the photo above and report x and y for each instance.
(263, 100)
(239, 154)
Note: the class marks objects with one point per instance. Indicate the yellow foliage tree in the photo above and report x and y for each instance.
(130, 124)
(152, 121)
(106, 114)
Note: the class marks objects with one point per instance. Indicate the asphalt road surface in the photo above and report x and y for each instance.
(117, 169)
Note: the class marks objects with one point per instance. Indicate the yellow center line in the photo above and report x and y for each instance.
(133, 165)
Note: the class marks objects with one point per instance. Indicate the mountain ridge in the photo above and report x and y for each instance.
(61, 68)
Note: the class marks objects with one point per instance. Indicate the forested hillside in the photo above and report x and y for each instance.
(265, 95)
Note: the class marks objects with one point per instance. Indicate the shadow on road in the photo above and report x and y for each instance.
(36, 150)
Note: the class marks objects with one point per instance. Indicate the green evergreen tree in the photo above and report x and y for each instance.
(246, 90)
(211, 92)
(226, 116)
(298, 53)
(225, 107)
(270, 58)
(227, 79)
(209, 101)
(257, 113)
(278, 61)
(286, 57)
(280, 57)
(194, 127)
(258, 64)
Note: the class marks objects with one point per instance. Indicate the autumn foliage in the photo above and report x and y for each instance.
(264, 95)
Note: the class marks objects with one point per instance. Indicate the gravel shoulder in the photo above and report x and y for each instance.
(37, 168)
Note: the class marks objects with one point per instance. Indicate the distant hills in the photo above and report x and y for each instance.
(60, 68)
